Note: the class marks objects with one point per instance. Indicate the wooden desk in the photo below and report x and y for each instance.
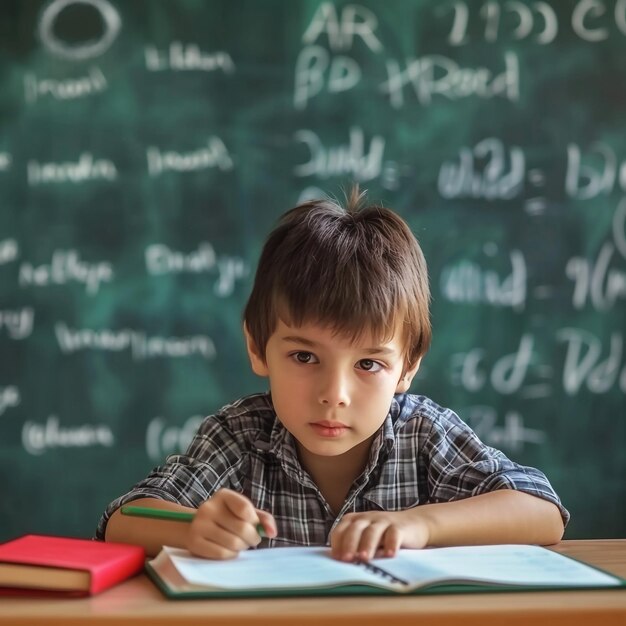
(137, 602)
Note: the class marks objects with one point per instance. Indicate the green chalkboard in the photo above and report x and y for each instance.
(147, 147)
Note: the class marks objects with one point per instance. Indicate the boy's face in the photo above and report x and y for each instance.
(330, 393)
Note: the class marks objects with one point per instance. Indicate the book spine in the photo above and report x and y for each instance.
(114, 572)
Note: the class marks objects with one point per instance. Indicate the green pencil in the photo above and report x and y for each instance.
(174, 516)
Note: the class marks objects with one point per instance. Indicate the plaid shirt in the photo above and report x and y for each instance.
(423, 453)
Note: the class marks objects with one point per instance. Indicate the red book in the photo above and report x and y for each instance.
(47, 564)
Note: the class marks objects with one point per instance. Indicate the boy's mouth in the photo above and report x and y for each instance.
(327, 428)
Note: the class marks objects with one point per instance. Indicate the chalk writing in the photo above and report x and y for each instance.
(67, 89)
(186, 57)
(140, 345)
(79, 52)
(437, 76)
(86, 168)
(507, 374)
(161, 260)
(355, 20)
(596, 280)
(589, 19)
(619, 228)
(351, 159)
(310, 193)
(312, 64)
(511, 435)
(214, 154)
(316, 67)
(66, 266)
(38, 438)
(390, 178)
(5, 161)
(600, 173)
(163, 439)
(535, 21)
(467, 282)
(9, 251)
(9, 398)
(488, 171)
(584, 365)
(17, 322)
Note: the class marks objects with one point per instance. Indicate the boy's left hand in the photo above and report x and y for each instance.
(363, 536)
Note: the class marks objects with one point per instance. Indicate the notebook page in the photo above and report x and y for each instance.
(272, 568)
(504, 564)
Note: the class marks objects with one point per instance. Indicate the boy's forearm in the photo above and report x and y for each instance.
(152, 534)
(504, 516)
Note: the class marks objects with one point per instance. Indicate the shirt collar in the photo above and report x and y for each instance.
(382, 444)
(282, 445)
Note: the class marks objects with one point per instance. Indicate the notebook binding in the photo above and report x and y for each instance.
(382, 572)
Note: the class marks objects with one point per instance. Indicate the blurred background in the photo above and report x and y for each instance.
(148, 147)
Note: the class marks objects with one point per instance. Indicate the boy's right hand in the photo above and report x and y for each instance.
(225, 525)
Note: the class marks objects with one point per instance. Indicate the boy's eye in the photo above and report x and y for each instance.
(304, 357)
(370, 366)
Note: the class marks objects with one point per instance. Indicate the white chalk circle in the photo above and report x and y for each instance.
(110, 18)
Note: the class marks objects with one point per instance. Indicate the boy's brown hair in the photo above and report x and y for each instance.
(353, 269)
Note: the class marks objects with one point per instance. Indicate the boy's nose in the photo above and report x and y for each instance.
(335, 391)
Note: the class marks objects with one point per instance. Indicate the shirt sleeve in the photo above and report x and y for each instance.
(460, 465)
(211, 462)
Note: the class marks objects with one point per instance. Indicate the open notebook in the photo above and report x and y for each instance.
(312, 571)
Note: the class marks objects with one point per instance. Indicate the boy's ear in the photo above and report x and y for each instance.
(407, 378)
(259, 366)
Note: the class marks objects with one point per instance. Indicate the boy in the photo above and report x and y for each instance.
(337, 452)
